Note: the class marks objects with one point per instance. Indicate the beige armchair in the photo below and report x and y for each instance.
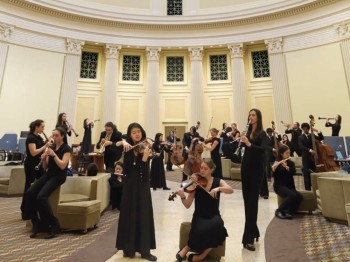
(298, 164)
(12, 180)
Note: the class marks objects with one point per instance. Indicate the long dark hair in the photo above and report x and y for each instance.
(339, 120)
(35, 124)
(259, 126)
(157, 138)
(281, 150)
(59, 119)
(128, 134)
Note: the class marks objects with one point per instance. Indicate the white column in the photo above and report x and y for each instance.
(5, 33)
(196, 56)
(343, 30)
(280, 86)
(152, 103)
(240, 105)
(70, 79)
(110, 83)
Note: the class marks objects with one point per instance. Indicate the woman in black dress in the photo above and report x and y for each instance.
(116, 184)
(86, 144)
(283, 171)
(56, 161)
(62, 122)
(136, 225)
(252, 171)
(157, 165)
(207, 228)
(336, 126)
(214, 151)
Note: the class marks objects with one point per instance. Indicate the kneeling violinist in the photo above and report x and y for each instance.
(207, 230)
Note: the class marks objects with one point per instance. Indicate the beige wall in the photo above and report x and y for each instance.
(317, 85)
(144, 4)
(31, 88)
(220, 3)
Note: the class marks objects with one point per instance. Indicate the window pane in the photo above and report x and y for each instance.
(175, 69)
(88, 66)
(218, 67)
(131, 68)
(261, 66)
(174, 7)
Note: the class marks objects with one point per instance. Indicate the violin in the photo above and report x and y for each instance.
(209, 140)
(190, 185)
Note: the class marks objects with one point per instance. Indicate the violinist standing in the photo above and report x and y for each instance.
(295, 131)
(136, 224)
(186, 141)
(207, 227)
(252, 171)
(336, 126)
(171, 139)
(305, 144)
(157, 166)
(214, 151)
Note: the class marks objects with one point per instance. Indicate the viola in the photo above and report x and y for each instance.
(190, 185)
(176, 157)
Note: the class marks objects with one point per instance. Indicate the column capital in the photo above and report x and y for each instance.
(236, 50)
(5, 32)
(153, 53)
(274, 45)
(196, 53)
(112, 51)
(74, 46)
(343, 29)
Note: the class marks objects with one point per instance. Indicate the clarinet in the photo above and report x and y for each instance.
(240, 146)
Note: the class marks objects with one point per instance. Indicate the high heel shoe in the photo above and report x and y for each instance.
(250, 247)
(257, 239)
(179, 258)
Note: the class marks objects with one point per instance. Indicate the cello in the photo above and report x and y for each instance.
(176, 156)
(323, 154)
(193, 163)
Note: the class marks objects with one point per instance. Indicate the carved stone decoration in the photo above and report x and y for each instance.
(5, 32)
(74, 46)
(153, 53)
(343, 29)
(112, 51)
(236, 50)
(196, 53)
(274, 45)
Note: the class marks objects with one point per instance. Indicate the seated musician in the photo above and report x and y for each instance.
(186, 141)
(207, 228)
(305, 144)
(232, 136)
(116, 184)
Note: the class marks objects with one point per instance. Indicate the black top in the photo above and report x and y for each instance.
(305, 144)
(86, 145)
(187, 139)
(254, 155)
(39, 142)
(224, 136)
(335, 128)
(115, 137)
(284, 178)
(65, 127)
(53, 169)
(295, 135)
(215, 156)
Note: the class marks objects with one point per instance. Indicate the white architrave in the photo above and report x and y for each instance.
(280, 86)
(70, 78)
(110, 82)
(240, 107)
(5, 34)
(152, 104)
(196, 57)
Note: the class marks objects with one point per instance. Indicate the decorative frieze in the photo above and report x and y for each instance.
(74, 46)
(236, 50)
(112, 51)
(274, 45)
(5, 32)
(153, 53)
(196, 53)
(343, 29)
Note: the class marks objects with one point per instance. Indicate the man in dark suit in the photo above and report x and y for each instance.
(171, 139)
(107, 145)
(305, 145)
(295, 131)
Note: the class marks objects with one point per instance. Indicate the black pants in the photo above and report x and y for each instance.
(291, 197)
(307, 177)
(169, 165)
(31, 174)
(36, 199)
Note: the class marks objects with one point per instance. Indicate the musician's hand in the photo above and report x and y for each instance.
(275, 165)
(108, 143)
(245, 141)
(126, 146)
(312, 152)
(274, 149)
(181, 193)
(50, 152)
(214, 192)
(146, 152)
(102, 141)
(284, 164)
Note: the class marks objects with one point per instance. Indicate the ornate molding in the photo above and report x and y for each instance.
(343, 29)
(236, 50)
(112, 51)
(274, 45)
(196, 53)
(153, 53)
(5, 32)
(162, 25)
(74, 46)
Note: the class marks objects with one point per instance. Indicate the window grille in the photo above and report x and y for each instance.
(131, 68)
(218, 67)
(260, 60)
(175, 69)
(88, 67)
(174, 7)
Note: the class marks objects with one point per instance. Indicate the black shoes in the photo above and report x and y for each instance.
(190, 257)
(179, 258)
(166, 188)
(257, 239)
(250, 247)
(131, 255)
(288, 215)
(54, 231)
(149, 257)
(279, 214)
(169, 169)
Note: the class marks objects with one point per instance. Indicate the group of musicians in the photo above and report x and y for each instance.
(53, 156)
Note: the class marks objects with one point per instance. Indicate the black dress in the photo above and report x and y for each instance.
(252, 171)
(116, 191)
(215, 156)
(335, 128)
(207, 229)
(157, 168)
(86, 144)
(136, 225)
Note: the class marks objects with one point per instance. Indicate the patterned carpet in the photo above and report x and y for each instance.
(17, 246)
